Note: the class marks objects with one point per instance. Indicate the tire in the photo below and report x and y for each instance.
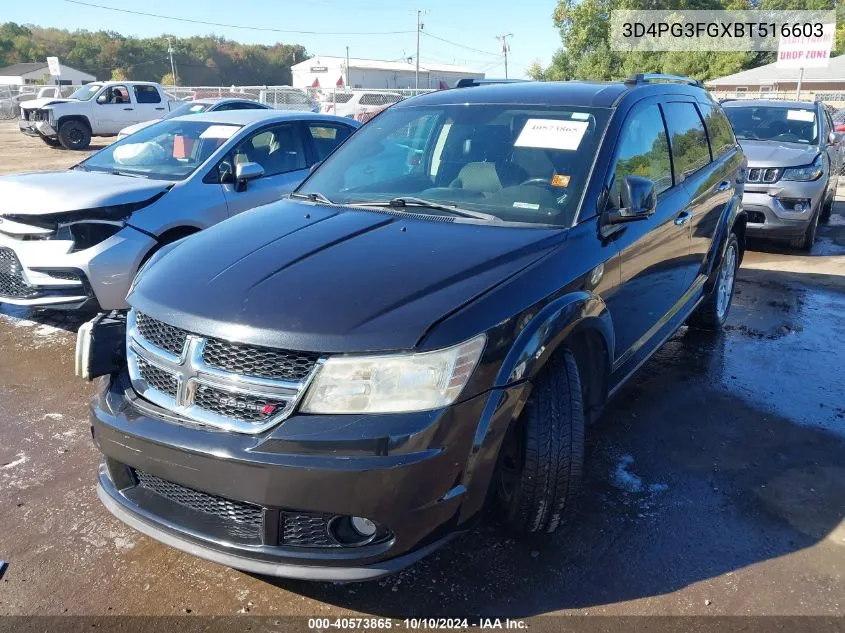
(542, 457)
(827, 208)
(712, 313)
(74, 135)
(51, 142)
(806, 241)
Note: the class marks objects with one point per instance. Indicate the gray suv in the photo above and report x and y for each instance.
(794, 160)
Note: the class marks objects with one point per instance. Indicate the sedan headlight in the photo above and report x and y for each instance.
(805, 173)
(394, 383)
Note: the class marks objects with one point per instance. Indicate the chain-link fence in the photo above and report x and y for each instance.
(11, 97)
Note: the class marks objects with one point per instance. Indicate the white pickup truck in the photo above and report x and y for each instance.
(96, 109)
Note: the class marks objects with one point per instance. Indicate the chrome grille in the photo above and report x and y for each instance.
(763, 174)
(306, 530)
(157, 378)
(250, 360)
(12, 283)
(237, 406)
(247, 390)
(167, 337)
(249, 517)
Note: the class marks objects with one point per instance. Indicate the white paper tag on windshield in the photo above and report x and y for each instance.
(219, 131)
(801, 115)
(552, 134)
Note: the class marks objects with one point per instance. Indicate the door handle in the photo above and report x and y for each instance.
(128, 108)
(159, 108)
(723, 186)
(683, 218)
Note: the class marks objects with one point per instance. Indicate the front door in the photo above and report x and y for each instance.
(280, 150)
(654, 252)
(115, 109)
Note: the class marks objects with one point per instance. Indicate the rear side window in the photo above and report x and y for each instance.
(327, 137)
(690, 150)
(643, 151)
(147, 94)
(719, 129)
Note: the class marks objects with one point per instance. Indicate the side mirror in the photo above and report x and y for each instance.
(835, 138)
(102, 98)
(638, 201)
(244, 172)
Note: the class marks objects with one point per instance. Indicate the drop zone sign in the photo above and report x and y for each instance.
(806, 52)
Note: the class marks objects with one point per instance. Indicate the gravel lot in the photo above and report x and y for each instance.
(715, 483)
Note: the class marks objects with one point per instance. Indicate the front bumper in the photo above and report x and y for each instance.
(404, 472)
(37, 128)
(52, 276)
(770, 216)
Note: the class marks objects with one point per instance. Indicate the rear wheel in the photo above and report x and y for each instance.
(542, 456)
(74, 135)
(713, 311)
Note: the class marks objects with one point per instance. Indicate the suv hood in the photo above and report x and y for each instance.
(778, 154)
(41, 193)
(35, 104)
(318, 278)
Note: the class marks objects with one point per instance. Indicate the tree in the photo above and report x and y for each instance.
(118, 74)
(168, 80)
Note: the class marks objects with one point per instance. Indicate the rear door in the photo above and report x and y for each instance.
(707, 183)
(654, 252)
(148, 103)
(280, 150)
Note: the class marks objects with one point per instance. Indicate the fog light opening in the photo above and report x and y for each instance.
(353, 531)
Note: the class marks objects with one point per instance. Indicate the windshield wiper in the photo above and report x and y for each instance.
(313, 197)
(429, 204)
(131, 174)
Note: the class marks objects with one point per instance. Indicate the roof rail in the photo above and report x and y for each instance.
(469, 82)
(644, 78)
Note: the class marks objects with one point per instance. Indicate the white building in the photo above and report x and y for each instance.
(37, 72)
(330, 72)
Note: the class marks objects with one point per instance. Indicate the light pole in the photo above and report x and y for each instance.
(420, 27)
(505, 49)
(172, 66)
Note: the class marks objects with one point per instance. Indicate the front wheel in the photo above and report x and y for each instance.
(74, 135)
(542, 455)
(51, 141)
(713, 311)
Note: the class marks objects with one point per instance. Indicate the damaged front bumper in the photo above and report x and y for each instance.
(37, 128)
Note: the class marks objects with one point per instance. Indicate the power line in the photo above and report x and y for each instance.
(469, 48)
(233, 26)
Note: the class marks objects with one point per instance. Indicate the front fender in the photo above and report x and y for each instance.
(544, 333)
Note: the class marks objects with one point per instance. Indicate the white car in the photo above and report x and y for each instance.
(75, 238)
(96, 109)
(355, 103)
(196, 107)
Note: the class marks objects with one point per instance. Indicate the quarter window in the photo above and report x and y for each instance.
(644, 151)
(719, 129)
(690, 150)
(277, 149)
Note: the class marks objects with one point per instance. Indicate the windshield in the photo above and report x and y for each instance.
(167, 150)
(518, 163)
(774, 123)
(188, 108)
(86, 92)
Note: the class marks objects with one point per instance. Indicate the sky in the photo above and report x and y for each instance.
(470, 26)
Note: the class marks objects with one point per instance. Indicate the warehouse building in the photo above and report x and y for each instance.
(331, 72)
(30, 73)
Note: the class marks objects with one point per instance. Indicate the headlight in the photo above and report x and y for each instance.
(87, 234)
(805, 173)
(393, 383)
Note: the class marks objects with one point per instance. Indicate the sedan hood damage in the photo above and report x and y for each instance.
(49, 193)
(330, 279)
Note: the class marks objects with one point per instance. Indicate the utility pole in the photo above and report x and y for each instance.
(505, 48)
(347, 68)
(172, 65)
(420, 27)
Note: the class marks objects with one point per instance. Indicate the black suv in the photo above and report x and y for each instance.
(331, 386)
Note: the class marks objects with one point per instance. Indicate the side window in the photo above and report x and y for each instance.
(690, 150)
(327, 137)
(643, 151)
(116, 95)
(147, 94)
(719, 129)
(277, 149)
